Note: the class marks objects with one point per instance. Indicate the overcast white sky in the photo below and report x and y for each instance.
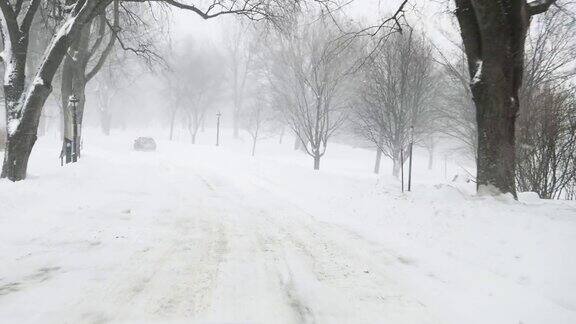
(430, 15)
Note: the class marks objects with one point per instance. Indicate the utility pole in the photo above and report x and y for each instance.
(218, 115)
(410, 163)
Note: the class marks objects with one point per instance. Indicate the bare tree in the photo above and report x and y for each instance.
(195, 116)
(455, 109)
(193, 84)
(280, 105)
(396, 96)
(240, 44)
(128, 27)
(494, 36)
(105, 94)
(201, 79)
(429, 143)
(310, 72)
(175, 100)
(88, 47)
(257, 118)
(115, 76)
(543, 130)
(24, 106)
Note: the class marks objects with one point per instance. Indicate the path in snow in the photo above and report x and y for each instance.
(204, 235)
(209, 251)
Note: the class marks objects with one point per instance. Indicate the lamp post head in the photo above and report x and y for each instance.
(73, 99)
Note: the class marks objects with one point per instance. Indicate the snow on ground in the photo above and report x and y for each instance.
(204, 234)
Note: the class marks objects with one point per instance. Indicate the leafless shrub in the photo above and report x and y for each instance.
(546, 133)
(546, 150)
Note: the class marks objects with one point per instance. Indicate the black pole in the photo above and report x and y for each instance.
(218, 129)
(410, 169)
(402, 167)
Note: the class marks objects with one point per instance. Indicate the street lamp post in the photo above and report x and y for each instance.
(71, 139)
(218, 115)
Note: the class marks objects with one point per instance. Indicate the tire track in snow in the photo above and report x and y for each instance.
(278, 264)
(329, 274)
(171, 277)
(254, 276)
(183, 287)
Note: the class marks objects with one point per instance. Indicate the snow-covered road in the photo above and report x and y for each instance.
(313, 271)
(215, 253)
(207, 236)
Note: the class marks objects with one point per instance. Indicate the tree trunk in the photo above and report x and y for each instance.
(61, 122)
(254, 140)
(297, 143)
(431, 157)
(496, 116)
(79, 118)
(396, 165)
(316, 162)
(379, 154)
(281, 136)
(23, 114)
(43, 125)
(75, 76)
(378, 160)
(14, 76)
(236, 122)
(19, 144)
(193, 130)
(74, 83)
(494, 35)
(16, 156)
(105, 121)
(172, 121)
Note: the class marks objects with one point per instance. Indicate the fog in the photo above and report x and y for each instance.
(280, 161)
(140, 100)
